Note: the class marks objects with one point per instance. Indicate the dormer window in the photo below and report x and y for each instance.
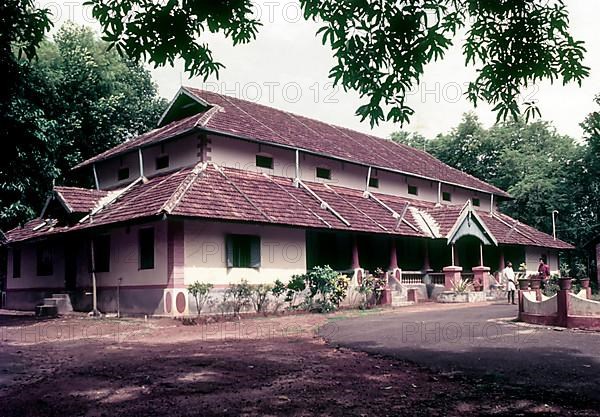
(263, 161)
(413, 190)
(324, 173)
(446, 196)
(374, 182)
(122, 174)
(162, 162)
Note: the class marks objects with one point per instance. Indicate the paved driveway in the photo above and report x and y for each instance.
(481, 341)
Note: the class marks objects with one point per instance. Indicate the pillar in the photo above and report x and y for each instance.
(451, 275)
(482, 274)
(598, 263)
(502, 261)
(393, 256)
(355, 260)
(426, 263)
(562, 301)
(358, 271)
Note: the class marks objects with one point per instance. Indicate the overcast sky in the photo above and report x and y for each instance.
(287, 67)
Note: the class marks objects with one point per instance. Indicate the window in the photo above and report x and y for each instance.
(263, 161)
(243, 251)
(122, 174)
(476, 202)
(374, 182)
(446, 196)
(324, 173)
(162, 162)
(16, 263)
(146, 248)
(102, 253)
(413, 190)
(44, 264)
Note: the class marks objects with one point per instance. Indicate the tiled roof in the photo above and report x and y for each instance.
(79, 200)
(212, 192)
(250, 120)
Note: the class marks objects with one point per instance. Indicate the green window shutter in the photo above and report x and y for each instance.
(229, 251)
(254, 251)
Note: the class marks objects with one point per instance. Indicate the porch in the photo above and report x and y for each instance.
(420, 260)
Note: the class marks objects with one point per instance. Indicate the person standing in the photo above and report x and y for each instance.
(543, 271)
(508, 276)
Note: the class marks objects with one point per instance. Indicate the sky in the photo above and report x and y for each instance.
(286, 67)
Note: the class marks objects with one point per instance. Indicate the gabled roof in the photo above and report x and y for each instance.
(252, 121)
(78, 200)
(208, 191)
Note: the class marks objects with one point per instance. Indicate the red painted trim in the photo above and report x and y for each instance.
(539, 319)
(584, 322)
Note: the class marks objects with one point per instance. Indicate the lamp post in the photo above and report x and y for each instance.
(554, 213)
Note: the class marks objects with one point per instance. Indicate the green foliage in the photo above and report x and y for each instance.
(238, 296)
(164, 31)
(259, 296)
(380, 48)
(74, 101)
(462, 286)
(372, 288)
(551, 286)
(200, 291)
(295, 285)
(326, 288)
(541, 169)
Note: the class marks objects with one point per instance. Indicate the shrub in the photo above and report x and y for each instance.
(278, 290)
(372, 288)
(259, 295)
(200, 291)
(551, 285)
(461, 286)
(326, 288)
(295, 286)
(239, 296)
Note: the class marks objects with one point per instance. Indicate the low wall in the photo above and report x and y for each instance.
(581, 306)
(564, 309)
(546, 307)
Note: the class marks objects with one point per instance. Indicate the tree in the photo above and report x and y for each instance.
(416, 140)
(73, 101)
(25, 162)
(541, 169)
(380, 47)
(97, 98)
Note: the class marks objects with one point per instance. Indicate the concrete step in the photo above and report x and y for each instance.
(61, 301)
(398, 298)
(46, 311)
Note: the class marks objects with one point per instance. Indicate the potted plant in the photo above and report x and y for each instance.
(565, 283)
(523, 283)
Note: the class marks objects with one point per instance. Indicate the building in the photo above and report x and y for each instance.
(226, 189)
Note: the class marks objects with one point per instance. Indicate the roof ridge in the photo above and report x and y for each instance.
(183, 188)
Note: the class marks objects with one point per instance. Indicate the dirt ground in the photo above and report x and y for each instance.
(78, 366)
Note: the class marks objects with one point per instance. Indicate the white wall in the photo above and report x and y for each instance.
(124, 258)
(29, 277)
(283, 253)
(533, 255)
(239, 154)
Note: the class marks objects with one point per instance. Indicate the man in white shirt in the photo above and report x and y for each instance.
(508, 276)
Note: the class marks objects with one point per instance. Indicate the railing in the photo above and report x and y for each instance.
(438, 278)
(412, 277)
